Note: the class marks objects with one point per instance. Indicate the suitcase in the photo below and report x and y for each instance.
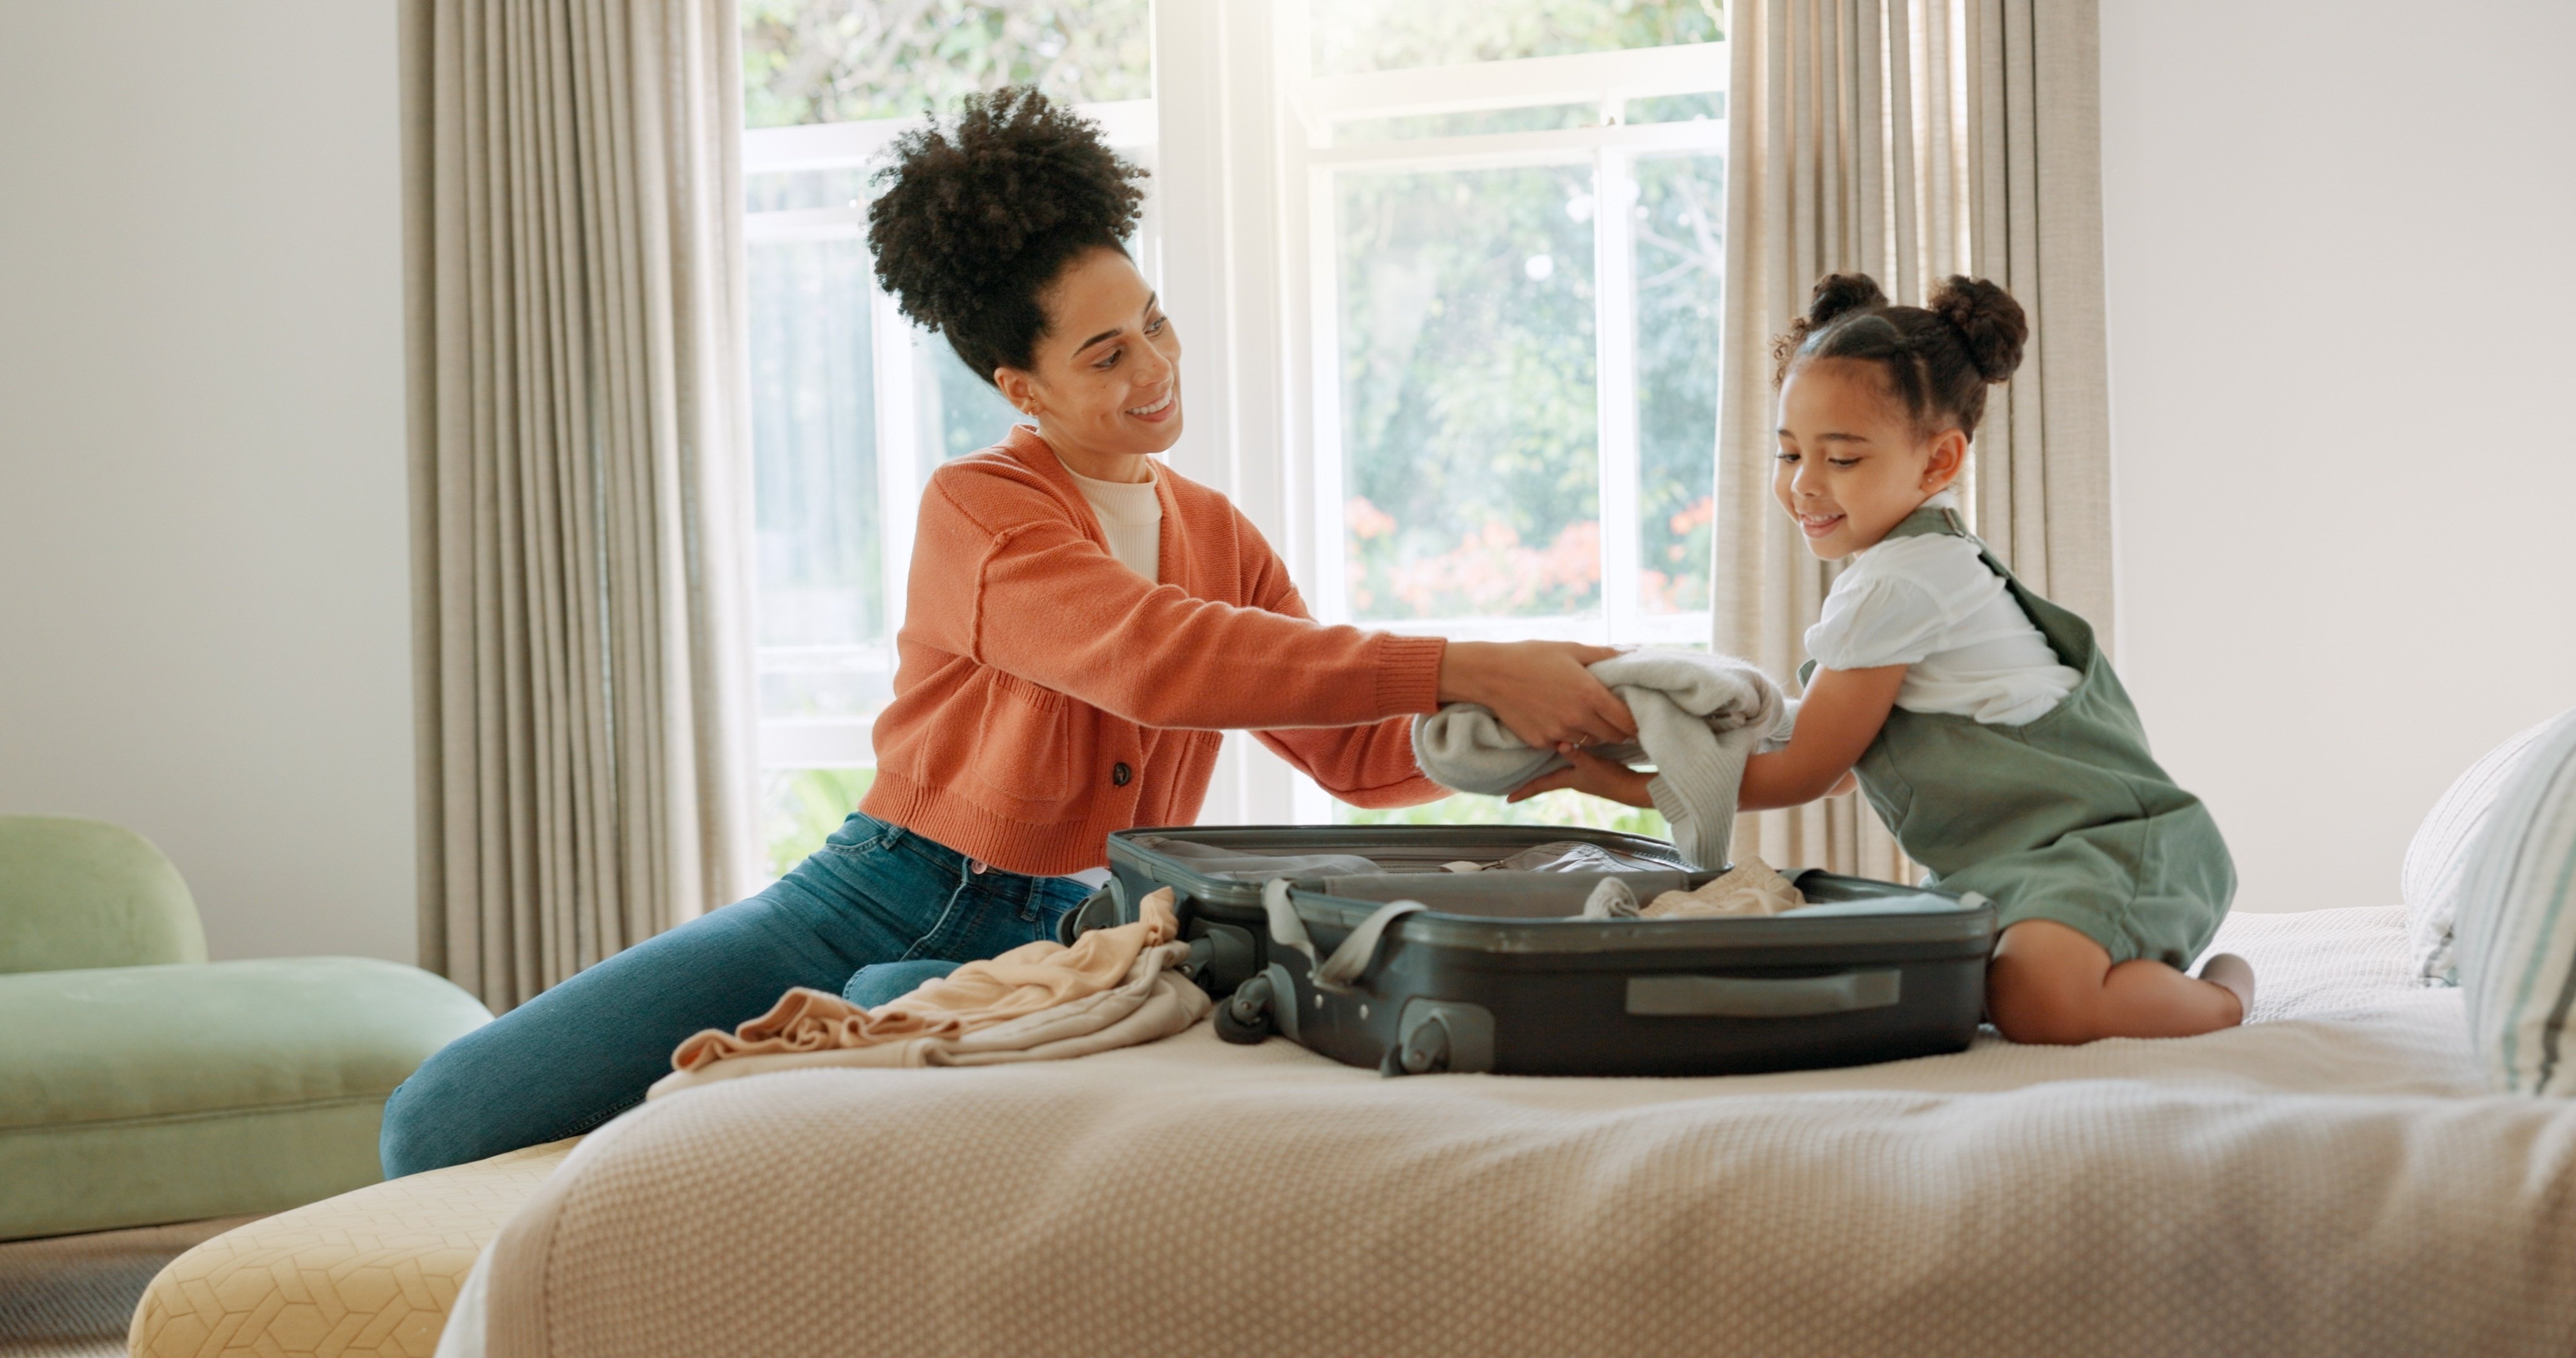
(1361, 943)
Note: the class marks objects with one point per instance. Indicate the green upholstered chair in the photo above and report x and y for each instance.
(141, 1083)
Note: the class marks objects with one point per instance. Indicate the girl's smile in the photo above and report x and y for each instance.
(1851, 463)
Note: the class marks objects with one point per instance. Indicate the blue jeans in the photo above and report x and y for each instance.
(583, 1052)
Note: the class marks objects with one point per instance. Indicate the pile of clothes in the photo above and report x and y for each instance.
(1749, 888)
(1043, 1001)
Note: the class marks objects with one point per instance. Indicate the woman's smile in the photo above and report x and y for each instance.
(1156, 412)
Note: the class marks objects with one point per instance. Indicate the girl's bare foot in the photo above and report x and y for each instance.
(2234, 975)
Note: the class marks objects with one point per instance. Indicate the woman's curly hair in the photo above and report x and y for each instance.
(1937, 359)
(976, 219)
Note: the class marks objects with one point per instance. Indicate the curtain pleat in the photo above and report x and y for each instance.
(1912, 139)
(2042, 473)
(578, 434)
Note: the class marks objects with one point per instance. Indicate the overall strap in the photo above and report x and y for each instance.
(2069, 635)
(1929, 520)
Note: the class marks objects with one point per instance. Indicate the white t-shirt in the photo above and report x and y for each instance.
(1131, 515)
(1928, 602)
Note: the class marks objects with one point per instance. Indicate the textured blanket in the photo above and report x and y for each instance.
(1699, 717)
(2330, 1180)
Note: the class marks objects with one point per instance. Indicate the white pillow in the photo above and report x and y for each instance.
(2437, 862)
(2517, 921)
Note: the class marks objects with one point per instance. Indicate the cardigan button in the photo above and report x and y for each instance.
(1120, 775)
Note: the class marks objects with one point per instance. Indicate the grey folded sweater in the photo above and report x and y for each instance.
(1698, 717)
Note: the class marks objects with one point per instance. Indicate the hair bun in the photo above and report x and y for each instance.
(1837, 293)
(969, 206)
(1987, 319)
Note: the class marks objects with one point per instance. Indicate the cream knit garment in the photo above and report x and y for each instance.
(1039, 1001)
(1749, 888)
(1699, 717)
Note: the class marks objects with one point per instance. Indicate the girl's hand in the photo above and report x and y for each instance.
(1590, 773)
(1838, 719)
(1539, 690)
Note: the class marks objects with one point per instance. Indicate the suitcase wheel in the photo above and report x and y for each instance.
(1099, 910)
(1424, 1050)
(1244, 1016)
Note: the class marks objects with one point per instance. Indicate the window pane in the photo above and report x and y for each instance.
(792, 190)
(1535, 118)
(836, 61)
(960, 413)
(1353, 36)
(814, 470)
(1468, 423)
(1678, 108)
(798, 807)
(1680, 220)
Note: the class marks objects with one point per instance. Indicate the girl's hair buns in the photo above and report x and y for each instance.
(1988, 320)
(1837, 293)
(1937, 360)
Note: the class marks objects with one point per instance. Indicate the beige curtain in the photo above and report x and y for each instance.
(1913, 139)
(575, 296)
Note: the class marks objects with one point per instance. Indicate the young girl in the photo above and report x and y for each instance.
(1982, 721)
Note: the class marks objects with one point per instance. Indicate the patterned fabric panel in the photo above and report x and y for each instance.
(2437, 860)
(2517, 922)
(371, 1272)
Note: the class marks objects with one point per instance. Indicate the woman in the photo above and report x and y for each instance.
(1082, 624)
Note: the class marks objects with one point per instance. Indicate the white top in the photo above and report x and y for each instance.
(1131, 515)
(1930, 603)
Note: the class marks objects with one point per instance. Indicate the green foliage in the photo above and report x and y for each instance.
(801, 808)
(835, 61)
(1469, 427)
(1681, 269)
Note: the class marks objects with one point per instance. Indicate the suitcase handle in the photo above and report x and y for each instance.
(1762, 996)
(1338, 973)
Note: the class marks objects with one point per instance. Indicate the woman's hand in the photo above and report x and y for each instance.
(1539, 690)
(1590, 773)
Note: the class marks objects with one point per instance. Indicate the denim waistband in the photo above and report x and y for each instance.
(863, 828)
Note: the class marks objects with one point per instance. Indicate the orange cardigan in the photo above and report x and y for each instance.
(1046, 695)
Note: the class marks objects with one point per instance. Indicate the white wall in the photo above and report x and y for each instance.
(2342, 264)
(204, 599)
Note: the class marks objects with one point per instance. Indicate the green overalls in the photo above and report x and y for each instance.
(2067, 818)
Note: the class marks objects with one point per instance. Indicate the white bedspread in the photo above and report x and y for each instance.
(2328, 1180)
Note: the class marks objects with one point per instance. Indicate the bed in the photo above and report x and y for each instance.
(2330, 1179)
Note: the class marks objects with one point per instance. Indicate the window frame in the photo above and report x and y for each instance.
(1305, 109)
(1239, 238)
(897, 370)
(1311, 161)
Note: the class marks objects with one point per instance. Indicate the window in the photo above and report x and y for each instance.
(1460, 394)
(1508, 216)
(852, 406)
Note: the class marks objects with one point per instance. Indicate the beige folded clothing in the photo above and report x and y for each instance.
(1037, 1002)
(1749, 888)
